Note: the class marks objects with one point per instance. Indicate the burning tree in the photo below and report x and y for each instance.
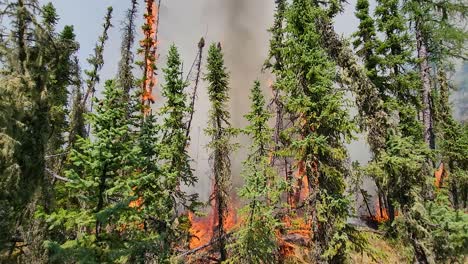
(320, 130)
(149, 47)
(221, 132)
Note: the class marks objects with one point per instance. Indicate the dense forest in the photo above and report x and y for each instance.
(91, 171)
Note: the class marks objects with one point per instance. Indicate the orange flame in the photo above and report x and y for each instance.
(297, 227)
(301, 188)
(440, 175)
(150, 45)
(381, 213)
(201, 229)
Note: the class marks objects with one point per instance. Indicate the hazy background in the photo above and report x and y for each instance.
(240, 25)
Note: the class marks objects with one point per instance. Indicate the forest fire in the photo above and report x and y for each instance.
(297, 233)
(381, 213)
(149, 46)
(202, 228)
(303, 181)
(440, 176)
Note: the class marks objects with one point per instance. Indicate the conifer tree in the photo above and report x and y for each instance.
(398, 85)
(319, 132)
(31, 62)
(274, 63)
(256, 240)
(99, 188)
(453, 142)
(365, 38)
(97, 59)
(440, 37)
(125, 74)
(221, 132)
(77, 121)
(174, 159)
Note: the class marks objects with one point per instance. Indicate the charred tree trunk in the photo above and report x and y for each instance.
(201, 45)
(219, 192)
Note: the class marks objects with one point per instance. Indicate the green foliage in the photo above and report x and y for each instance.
(97, 215)
(220, 131)
(365, 38)
(276, 41)
(96, 60)
(321, 127)
(256, 239)
(172, 152)
(439, 23)
(34, 72)
(450, 237)
(125, 75)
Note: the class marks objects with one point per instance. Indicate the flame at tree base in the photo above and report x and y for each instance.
(202, 228)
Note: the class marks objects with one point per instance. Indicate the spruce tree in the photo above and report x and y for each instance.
(34, 77)
(221, 132)
(99, 189)
(319, 132)
(125, 74)
(96, 60)
(173, 156)
(274, 63)
(440, 38)
(256, 239)
(365, 38)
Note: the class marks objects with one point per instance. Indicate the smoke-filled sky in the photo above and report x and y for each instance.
(240, 25)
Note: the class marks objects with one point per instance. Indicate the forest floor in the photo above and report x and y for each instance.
(384, 252)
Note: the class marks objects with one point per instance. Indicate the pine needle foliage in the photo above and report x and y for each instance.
(173, 156)
(220, 131)
(256, 240)
(319, 132)
(98, 192)
(34, 71)
(125, 74)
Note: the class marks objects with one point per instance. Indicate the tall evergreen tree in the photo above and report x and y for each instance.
(99, 188)
(440, 37)
(174, 159)
(125, 74)
(319, 132)
(221, 132)
(34, 79)
(281, 160)
(97, 60)
(365, 38)
(256, 239)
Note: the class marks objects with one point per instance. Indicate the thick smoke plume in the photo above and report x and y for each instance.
(241, 27)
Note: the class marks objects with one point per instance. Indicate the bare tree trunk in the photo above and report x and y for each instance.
(426, 86)
(201, 45)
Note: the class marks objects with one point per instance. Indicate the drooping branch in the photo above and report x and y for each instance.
(373, 115)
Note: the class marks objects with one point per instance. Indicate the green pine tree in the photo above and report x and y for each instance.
(125, 74)
(320, 130)
(34, 74)
(221, 133)
(96, 214)
(173, 156)
(256, 239)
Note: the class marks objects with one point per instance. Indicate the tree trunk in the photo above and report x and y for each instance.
(426, 86)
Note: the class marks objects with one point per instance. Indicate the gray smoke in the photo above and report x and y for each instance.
(241, 27)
